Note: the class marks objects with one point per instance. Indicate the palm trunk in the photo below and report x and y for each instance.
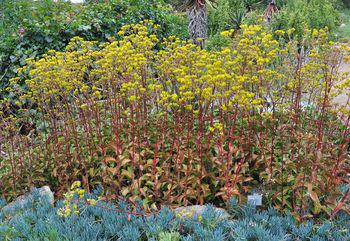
(198, 23)
(270, 10)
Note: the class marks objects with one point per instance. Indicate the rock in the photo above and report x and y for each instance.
(43, 194)
(197, 210)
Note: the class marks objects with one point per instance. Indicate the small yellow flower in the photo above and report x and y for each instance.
(75, 185)
(81, 193)
(84, 106)
(280, 32)
(91, 202)
(290, 31)
(132, 98)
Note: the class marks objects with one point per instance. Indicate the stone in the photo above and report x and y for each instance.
(22, 202)
(197, 210)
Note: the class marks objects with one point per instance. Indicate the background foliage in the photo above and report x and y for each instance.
(299, 14)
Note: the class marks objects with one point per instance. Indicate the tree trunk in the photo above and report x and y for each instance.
(270, 10)
(198, 23)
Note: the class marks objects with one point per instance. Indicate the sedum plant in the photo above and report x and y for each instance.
(181, 125)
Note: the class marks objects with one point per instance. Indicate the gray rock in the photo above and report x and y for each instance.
(197, 210)
(43, 194)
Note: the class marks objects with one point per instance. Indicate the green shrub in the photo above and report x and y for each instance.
(219, 18)
(230, 14)
(178, 25)
(226, 15)
(217, 42)
(300, 14)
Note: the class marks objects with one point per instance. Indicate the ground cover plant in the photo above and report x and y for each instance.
(176, 124)
(104, 221)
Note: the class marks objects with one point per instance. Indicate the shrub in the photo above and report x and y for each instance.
(299, 14)
(178, 25)
(184, 125)
(292, 14)
(41, 222)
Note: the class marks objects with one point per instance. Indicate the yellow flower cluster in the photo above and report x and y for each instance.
(189, 214)
(227, 33)
(68, 199)
(178, 77)
(70, 205)
(217, 126)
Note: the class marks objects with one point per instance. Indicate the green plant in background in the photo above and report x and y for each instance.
(218, 18)
(231, 14)
(343, 32)
(178, 25)
(217, 42)
(299, 14)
